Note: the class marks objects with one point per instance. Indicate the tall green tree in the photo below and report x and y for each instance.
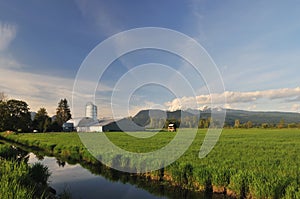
(207, 122)
(17, 116)
(249, 124)
(201, 123)
(3, 115)
(237, 123)
(281, 124)
(265, 125)
(3, 111)
(41, 120)
(63, 112)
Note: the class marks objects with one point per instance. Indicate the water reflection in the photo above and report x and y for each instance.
(10, 152)
(83, 184)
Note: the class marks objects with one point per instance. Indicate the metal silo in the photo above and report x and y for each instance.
(91, 110)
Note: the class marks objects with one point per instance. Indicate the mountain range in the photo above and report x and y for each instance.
(144, 117)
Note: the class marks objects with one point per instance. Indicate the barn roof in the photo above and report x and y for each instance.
(105, 122)
(86, 122)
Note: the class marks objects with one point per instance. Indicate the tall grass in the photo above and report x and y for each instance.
(12, 178)
(20, 180)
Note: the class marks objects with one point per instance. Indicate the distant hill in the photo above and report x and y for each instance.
(144, 117)
(258, 117)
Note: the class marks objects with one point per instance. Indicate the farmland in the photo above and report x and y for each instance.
(259, 163)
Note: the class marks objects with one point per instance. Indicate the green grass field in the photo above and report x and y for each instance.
(261, 163)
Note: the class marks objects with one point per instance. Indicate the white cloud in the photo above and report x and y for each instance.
(228, 106)
(134, 109)
(296, 107)
(234, 98)
(37, 90)
(7, 35)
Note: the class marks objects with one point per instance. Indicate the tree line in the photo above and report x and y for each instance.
(195, 122)
(15, 115)
(281, 124)
(185, 122)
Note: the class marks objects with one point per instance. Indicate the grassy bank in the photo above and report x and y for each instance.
(254, 163)
(18, 179)
(65, 145)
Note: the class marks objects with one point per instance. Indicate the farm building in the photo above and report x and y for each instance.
(87, 124)
(120, 125)
(91, 110)
(171, 127)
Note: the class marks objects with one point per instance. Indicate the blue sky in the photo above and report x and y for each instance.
(255, 45)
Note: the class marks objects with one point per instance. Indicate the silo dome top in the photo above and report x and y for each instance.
(89, 104)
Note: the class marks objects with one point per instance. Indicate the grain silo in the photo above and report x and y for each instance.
(91, 110)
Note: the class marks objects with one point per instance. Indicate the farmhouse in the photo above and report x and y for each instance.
(88, 124)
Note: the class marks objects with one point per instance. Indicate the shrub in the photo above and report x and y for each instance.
(39, 173)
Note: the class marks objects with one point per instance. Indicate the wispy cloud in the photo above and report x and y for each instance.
(8, 61)
(100, 15)
(7, 34)
(42, 90)
(250, 58)
(295, 99)
(37, 90)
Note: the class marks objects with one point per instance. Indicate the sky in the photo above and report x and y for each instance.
(254, 45)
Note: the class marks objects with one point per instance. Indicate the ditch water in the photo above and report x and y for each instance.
(95, 181)
(81, 183)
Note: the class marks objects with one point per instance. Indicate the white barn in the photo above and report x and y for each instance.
(87, 124)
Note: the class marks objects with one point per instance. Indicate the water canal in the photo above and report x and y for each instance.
(83, 184)
(96, 181)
